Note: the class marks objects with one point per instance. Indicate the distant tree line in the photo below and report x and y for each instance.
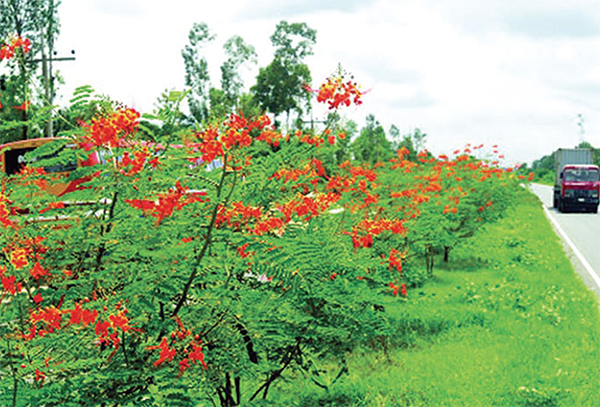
(544, 166)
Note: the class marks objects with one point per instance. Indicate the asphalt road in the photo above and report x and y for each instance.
(581, 234)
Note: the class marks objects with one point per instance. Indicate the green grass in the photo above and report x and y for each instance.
(506, 323)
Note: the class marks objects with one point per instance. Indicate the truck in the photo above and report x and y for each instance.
(576, 181)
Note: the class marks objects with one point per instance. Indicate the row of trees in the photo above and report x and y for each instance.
(182, 284)
(207, 256)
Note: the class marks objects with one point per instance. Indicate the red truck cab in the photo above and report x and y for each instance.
(579, 187)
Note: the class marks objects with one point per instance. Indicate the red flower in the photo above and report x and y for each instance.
(395, 260)
(37, 271)
(163, 207)
(9, 50)
(166, 354)
(120, 321)
(366, 241)
(101, 329)
(39, 376)
(183, 365)
(18, 258)
(336, 91)
(137, 163)
(52, 316)
(83, 316)
(111, 130)
(242, 250)
(23, 106)
(196, 354)
(8, 284)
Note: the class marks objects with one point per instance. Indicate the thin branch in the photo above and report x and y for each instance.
(287, 360)
(207, 239)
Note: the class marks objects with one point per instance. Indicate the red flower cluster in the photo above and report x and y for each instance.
(237, 132)
(108, 332)
(337, 91)
(32, 176)
(238, 215)
(110, 131)
(37, 271)
(270, 137)
(132, 166)
(163, 207)
(398, 288)
(270, 224)
(315, 140)
(18, 257)
(395, 260)
(5, 211)
(307, 207)
(9, 283)
(193, 349)
(9, 50)
(362, 234)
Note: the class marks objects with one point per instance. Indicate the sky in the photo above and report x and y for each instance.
(523, 75)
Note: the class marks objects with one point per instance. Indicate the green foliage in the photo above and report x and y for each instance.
(35, 19)
(371, 145)
(206, 266)
(293, 42)
(238, 53)
(196, 71)
(507, 322)
(279, 87)
(595, 151)
(26, 85)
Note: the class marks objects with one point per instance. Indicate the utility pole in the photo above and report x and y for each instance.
(312, 122)
(49, 83)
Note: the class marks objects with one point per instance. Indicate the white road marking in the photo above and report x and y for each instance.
(576, 251)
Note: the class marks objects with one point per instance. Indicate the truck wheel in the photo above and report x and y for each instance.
(594, 209)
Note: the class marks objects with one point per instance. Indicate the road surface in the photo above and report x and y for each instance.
(581, 234)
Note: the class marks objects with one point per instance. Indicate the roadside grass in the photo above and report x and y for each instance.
(507, 322)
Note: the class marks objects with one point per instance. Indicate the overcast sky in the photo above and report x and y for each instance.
(516, 73)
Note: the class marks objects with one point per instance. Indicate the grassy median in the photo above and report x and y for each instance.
(507, 322)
